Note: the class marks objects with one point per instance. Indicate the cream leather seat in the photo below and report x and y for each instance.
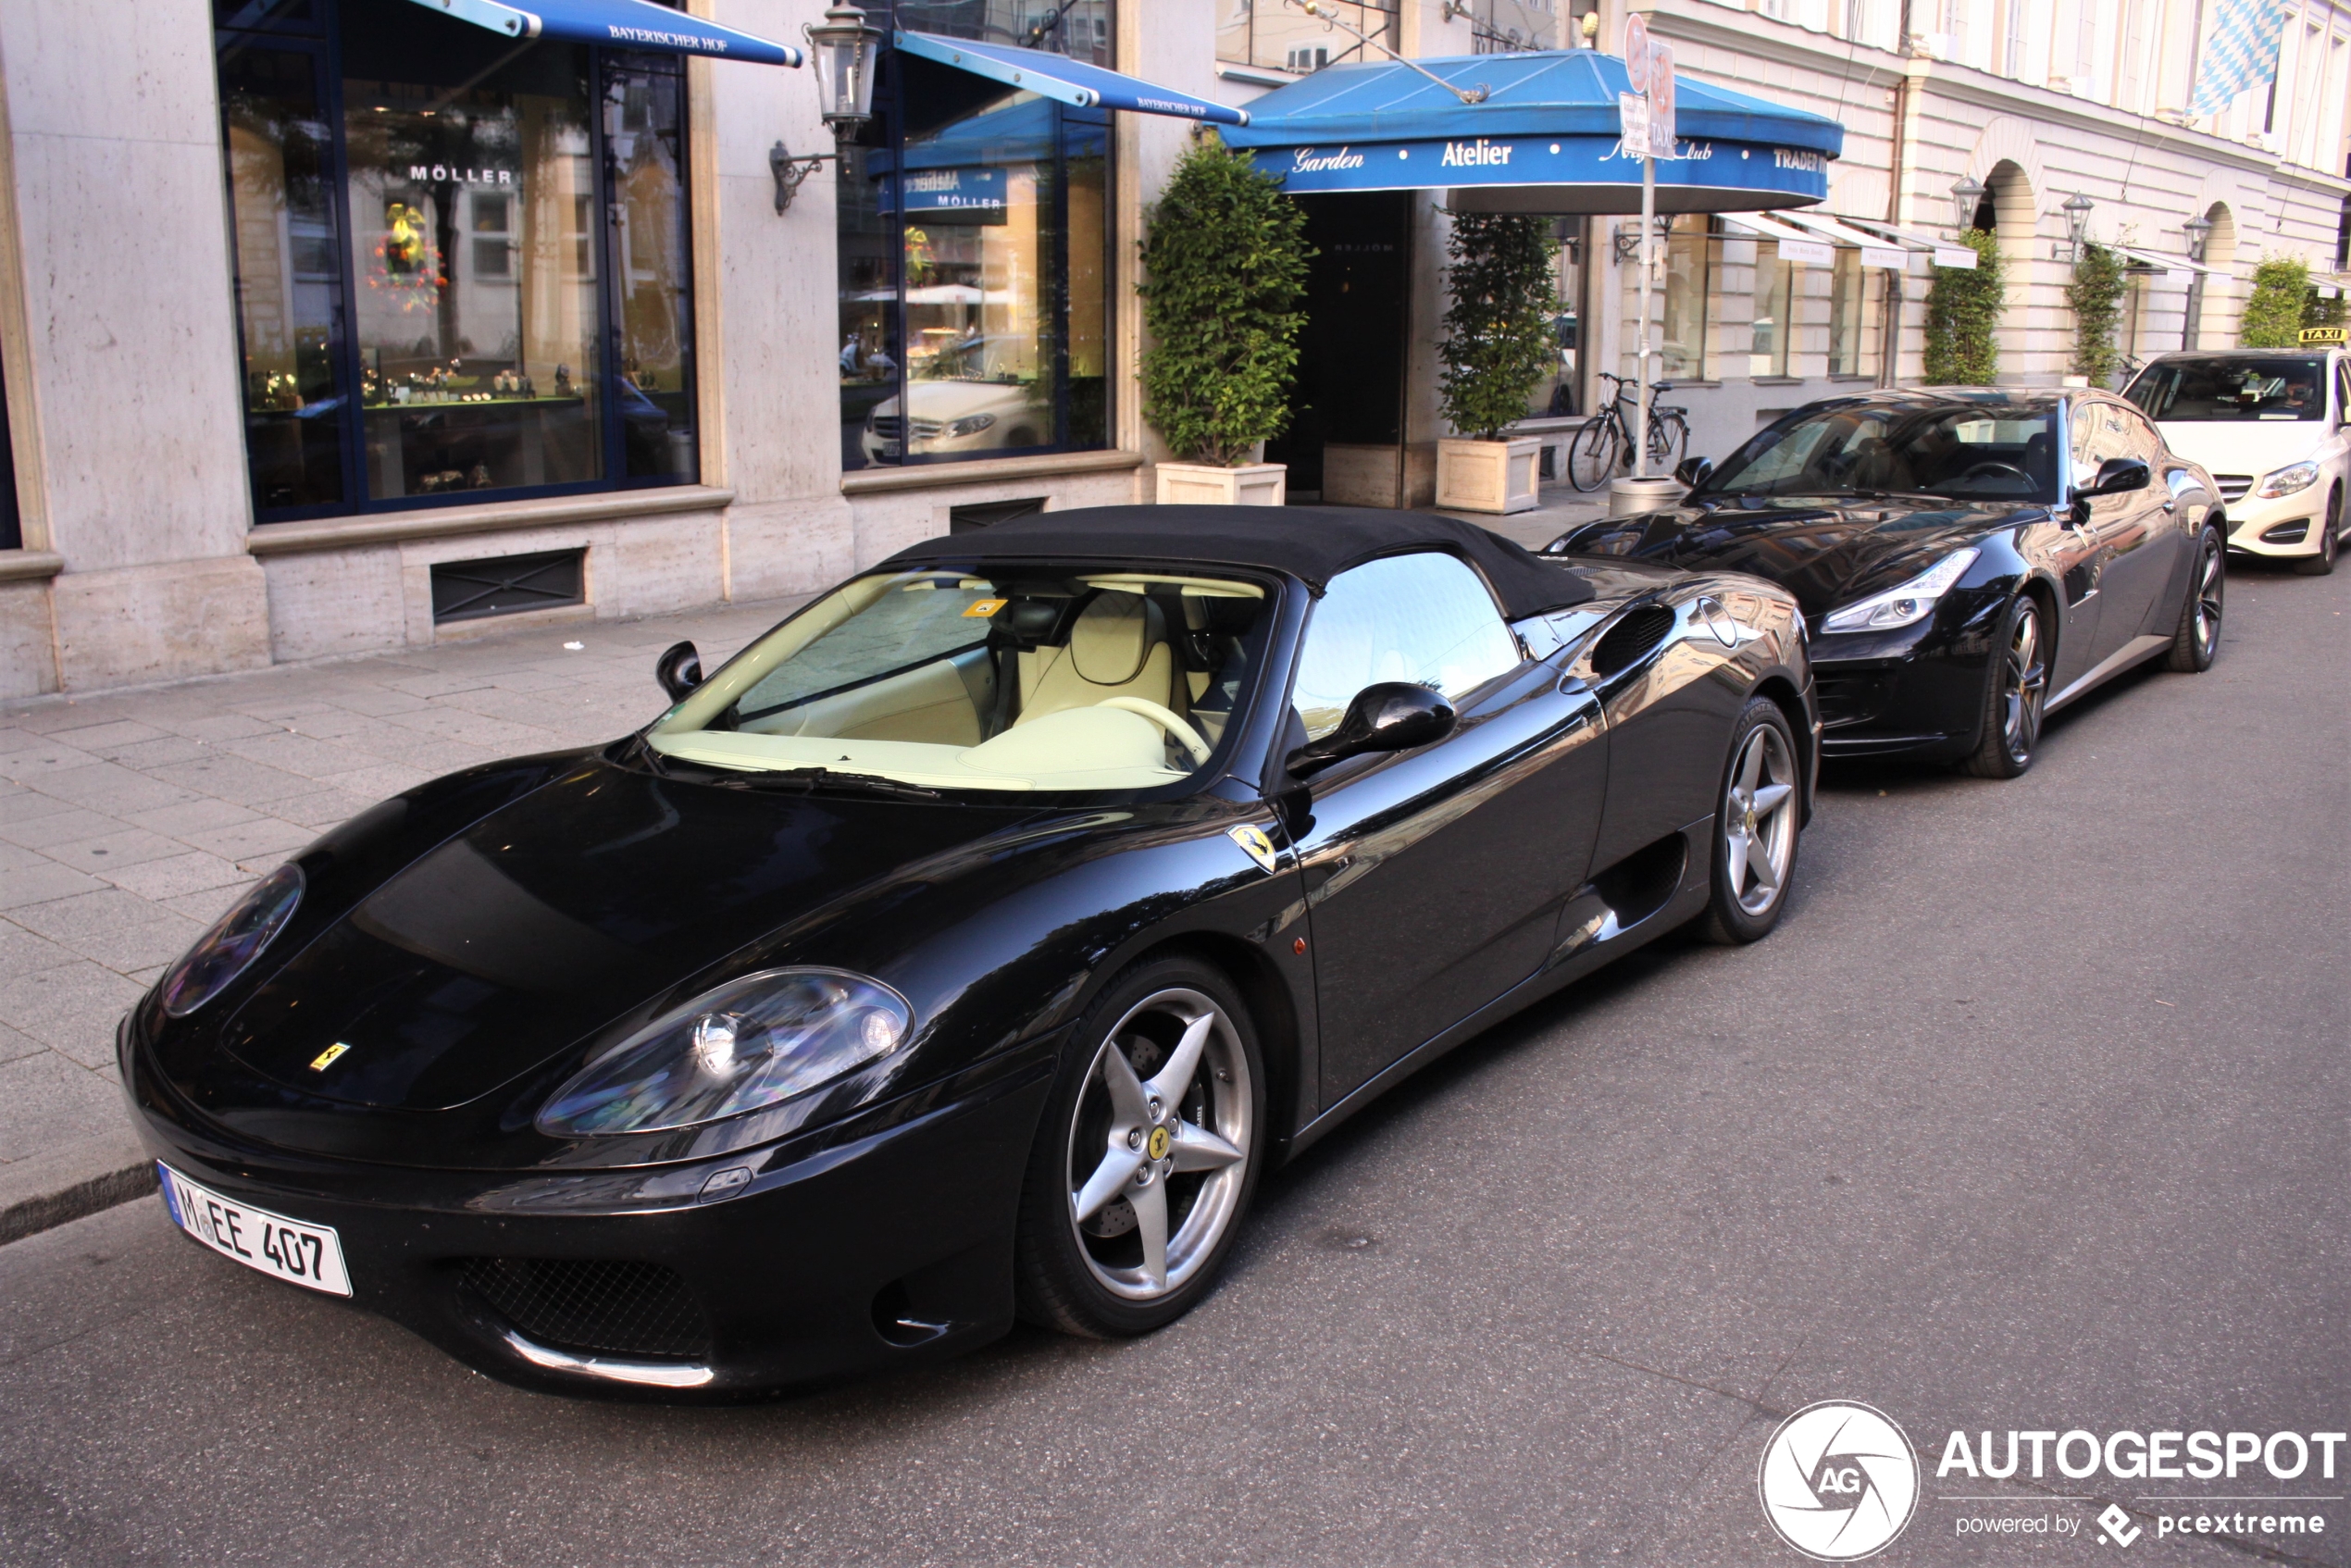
(1117, 648)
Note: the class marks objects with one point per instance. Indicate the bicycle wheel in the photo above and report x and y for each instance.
(1669, 440)
(1592, 456)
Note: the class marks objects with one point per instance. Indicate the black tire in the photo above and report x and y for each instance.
(2197, 638)
(1755, 835)
(2330, 530)
(1065, 1269)
(2014, 690)
(1593, 456)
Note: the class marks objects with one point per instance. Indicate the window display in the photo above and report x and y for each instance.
(974, 306)
(510, 307)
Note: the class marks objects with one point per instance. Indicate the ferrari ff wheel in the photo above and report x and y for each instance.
(1755, 829)
(2330, 526)
(2012, 695)
(2198, 637)
(1147, 1156)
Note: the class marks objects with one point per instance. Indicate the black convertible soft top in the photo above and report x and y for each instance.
(1314, 543)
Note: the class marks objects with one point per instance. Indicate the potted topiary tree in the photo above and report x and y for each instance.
(1963, 310)
(2273, 314)
(1224, 259)
(1499, 343)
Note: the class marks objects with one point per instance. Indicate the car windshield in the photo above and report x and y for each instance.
(1038, 678)
(2239, 388)
(1965, 451)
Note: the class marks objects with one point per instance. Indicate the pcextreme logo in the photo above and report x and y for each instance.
(1838, 1481)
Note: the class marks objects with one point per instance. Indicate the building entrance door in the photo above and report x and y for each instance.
(1346, 439)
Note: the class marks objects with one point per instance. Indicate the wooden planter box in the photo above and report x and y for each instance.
(1488, 476)
(1204, 484)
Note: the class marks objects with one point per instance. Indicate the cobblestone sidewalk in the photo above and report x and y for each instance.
(129, 820)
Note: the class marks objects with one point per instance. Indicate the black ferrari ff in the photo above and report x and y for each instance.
(1967, 559)
(968, 945)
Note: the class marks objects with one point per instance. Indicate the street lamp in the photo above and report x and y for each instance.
(1964, 197)
(2077, 226)
(842, 49)
(2199, 233)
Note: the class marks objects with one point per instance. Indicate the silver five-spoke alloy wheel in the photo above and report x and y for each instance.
(1159, 1148)
(2211, 584)
(1758, 820)
(2024, 680)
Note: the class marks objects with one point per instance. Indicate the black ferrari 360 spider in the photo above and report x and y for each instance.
(967, 945)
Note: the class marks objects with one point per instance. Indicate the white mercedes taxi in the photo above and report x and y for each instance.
(2271, 426)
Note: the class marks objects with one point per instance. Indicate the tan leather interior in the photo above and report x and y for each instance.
(928, 703)
(1117, 648)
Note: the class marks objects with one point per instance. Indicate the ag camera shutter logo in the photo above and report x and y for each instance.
(1838, 1481)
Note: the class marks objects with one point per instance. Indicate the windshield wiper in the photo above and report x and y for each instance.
(811, 778)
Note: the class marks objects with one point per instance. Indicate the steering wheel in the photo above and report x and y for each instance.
(1178, 730)
(1989, 470)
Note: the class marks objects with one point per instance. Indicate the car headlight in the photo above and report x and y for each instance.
(235, 940)
(742, 1047)
(2286, 481)
(1911, 602)
(970, 424)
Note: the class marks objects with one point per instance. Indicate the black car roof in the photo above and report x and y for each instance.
(1313, 543)
(2002, 397)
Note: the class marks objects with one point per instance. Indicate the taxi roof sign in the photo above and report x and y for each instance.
(2322, 336)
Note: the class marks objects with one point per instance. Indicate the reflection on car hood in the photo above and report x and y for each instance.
(2246, 446)
(556, 916)
(951, 400)
(1825, 551)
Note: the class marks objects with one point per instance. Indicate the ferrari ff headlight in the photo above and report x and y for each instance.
(2286, 481)
(742, 1047)
(969, 425)
(1910, 603)
(235, 940)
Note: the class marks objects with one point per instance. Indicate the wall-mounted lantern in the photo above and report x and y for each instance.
(1965, 196)
(2077, 228)
(844, 48)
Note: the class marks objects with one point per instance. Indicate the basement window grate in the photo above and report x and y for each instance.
(988, 513)
(507, 585)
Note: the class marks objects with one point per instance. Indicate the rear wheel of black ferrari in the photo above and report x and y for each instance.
(1147, 1156)
(1755, 827)
(2013, 693)
(2197, 637)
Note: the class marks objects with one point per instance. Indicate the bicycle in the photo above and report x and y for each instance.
(1605, 441)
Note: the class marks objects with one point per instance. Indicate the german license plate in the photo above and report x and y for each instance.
(308, 1255)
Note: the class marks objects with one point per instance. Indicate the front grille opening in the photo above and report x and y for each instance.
(507, 585)
(592, 1305)
(2233, 486)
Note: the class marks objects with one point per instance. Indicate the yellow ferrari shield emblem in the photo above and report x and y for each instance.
(1158, 1145)
(1256, 845)
(326, 1058)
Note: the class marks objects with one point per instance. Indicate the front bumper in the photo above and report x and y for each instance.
(1917, 694)
(852, 1251)
(2250, 519)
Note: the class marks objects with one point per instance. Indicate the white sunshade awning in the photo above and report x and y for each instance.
(1874, 251)
(1795, 245)
(2171, 265)
(1945, 252)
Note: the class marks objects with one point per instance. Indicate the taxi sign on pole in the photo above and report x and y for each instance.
(1660, 99)
(2325, 336)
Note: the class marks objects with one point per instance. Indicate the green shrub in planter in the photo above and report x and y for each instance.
(1499, 338)
(2096, 295)
(1963, 317)
(1225, 261)
(2273, 313)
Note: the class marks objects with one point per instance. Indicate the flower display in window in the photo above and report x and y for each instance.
(408, 265)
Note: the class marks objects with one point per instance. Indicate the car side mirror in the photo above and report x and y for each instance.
(1692, 472)
(678, 670)
(2116, 475)
(1394, 716)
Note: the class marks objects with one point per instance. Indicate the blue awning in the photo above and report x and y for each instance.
(1070, 81)
(1543, 140)
(619, 24)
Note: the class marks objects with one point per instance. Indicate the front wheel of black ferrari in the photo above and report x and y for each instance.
(2197, 637)
(1755, 827)
(2014, 690)
(1147, 1156)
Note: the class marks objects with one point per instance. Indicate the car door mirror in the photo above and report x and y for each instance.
(2115, 476)
(1692, 472)
(678, 670)
(1394, 716)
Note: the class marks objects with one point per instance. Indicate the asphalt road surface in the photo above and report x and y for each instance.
(2032, 1115)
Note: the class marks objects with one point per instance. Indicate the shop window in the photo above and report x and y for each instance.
(11, 520)
(1857, 306)
(1774, 311)
(1688, 277)
(1281, 37)
(462, 268)
(973, 268)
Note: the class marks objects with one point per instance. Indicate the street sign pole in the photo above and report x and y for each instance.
(1648, 271)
